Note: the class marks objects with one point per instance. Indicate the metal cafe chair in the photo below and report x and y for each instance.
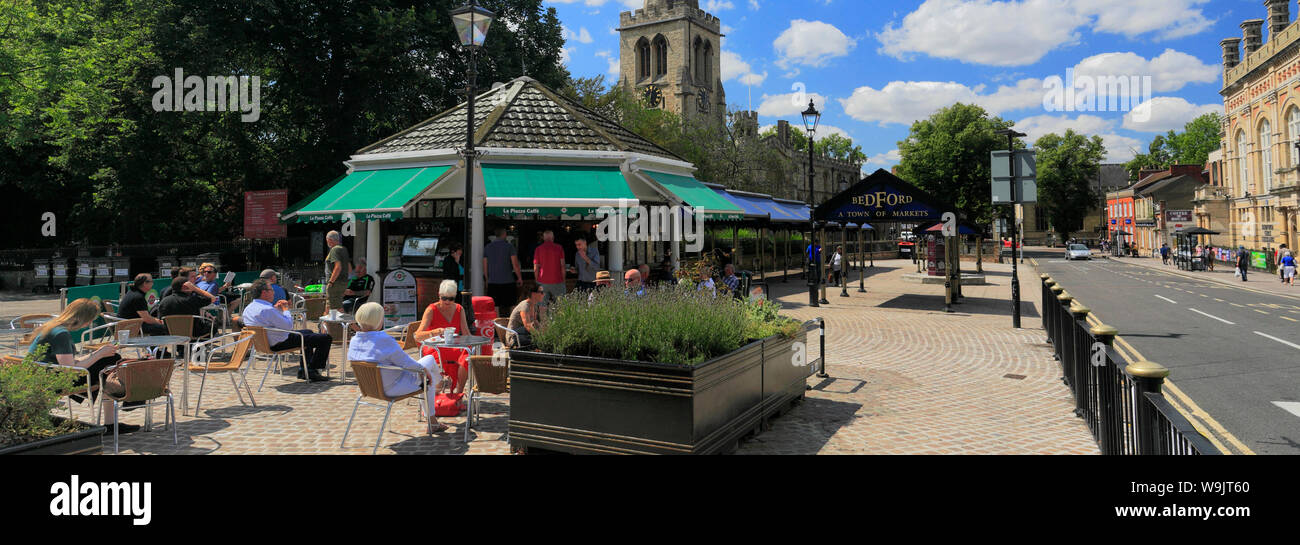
(275, 358)
(238, 345)
(371, 385)
(485, 379)
(145, 381)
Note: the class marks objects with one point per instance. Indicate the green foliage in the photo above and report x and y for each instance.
(947, 155)
(1067, 176)
(1200, 136)
(29, 393)
(676, 325)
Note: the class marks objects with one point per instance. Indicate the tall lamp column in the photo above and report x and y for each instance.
(811, 117)
(472, 23)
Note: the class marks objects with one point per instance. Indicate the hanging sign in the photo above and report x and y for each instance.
(399, 298)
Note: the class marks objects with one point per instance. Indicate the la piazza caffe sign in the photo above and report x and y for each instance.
(881, 197)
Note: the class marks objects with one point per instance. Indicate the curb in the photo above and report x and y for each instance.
(1212, 279)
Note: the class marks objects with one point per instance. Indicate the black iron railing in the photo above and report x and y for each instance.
(1121, 401)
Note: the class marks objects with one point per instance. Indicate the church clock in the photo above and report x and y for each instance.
(653, 97)
(702, 101)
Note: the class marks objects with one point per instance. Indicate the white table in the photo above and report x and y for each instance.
(16, 336)
(343, 321)
(172, 342)
(471, 344)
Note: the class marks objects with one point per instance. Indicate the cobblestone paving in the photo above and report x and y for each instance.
(905, 378)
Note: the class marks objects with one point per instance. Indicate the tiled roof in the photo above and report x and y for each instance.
(521, 114)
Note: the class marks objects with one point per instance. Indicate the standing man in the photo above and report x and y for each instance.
(587, 261)
(500, 258)
(262, 312)
(1164, 253)
(837, 265)
(338, 265)
(548, 267)
(1243, 262)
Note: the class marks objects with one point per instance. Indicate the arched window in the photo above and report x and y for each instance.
(706, 64)
(1265, 157)
(642, 59)
(697, 54)
(1243, 180)
(1293, 133)
(661, 56)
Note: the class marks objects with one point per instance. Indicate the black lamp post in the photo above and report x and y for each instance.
(811, 117)
(472, 23)
(1011, 135)
(844, 239)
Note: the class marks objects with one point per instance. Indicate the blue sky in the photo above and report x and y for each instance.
(873, 66)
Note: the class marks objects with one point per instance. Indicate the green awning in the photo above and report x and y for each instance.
(696, 194)
(370, 195)
(554, 189)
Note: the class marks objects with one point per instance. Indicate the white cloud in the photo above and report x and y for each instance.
(811, 43)
(788, 104)
(1021, 32)
(1119, 148)
(889, 158)
(753, 4)
(733, 66)
(629, 4)
(714, 6)
(1170, 71)
(1162, 114)
(614, 68)
(824, 130)
(582, 36)
(903, 102)
(1039, 125)
(753, 80)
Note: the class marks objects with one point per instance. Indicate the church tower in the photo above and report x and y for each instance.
(671, 57)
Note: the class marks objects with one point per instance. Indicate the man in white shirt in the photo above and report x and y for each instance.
(263, 313)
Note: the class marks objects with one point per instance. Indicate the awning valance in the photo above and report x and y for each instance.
(370, 195)
(696, 194)
(554, 189)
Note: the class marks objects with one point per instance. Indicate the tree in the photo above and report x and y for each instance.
(947, 155)
(1200, 136)
(1067, 172)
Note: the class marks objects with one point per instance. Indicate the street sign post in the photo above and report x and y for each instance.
(1014, 164)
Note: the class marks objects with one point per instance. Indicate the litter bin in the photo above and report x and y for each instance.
(85, 271)
(121, 269)
(103, 269)
(165, 265)
(191, 261)
(42, 269)
(60, 273)
(213, 258)
(485, 311)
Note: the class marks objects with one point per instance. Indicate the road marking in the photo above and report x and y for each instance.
(1291, 319)
(1290, 344)
(1236, 305)
(1211, 316)
(1219, 300)
(1167, 299)
(1289, 406)
(1259, 311)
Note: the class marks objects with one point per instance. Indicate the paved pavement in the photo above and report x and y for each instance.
(905, 378)
(1233, 350)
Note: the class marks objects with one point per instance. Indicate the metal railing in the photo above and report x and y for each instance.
(1121, 401)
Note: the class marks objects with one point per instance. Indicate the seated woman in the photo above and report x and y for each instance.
(373, 345)
(440, 315)
(61, 349)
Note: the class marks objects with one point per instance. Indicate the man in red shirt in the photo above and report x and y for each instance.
(549, 267)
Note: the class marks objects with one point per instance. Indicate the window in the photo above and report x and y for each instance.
(1242, 179)
(1293, 133)
(706, 65)
(1265, 157)
(661, 56)
(697, 52)
(642, 59)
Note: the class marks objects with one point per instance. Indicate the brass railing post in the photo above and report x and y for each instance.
(1147, 377)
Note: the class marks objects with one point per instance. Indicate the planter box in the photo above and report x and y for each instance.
(593, 405)
(88, 441)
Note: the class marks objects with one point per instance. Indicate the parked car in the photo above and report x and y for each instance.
(1077, 251)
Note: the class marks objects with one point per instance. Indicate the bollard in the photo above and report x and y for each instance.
(1147, 377)
(1079, 358)
(823, 374)
(1106, 391)
(1047, 320)
(1062, 321)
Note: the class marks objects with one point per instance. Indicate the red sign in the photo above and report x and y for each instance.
(262, 213)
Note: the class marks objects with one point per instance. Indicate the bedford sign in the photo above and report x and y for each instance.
(881, 197)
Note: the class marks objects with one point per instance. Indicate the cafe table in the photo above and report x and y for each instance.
(343, 321)
(471, 344)
(173, 344)
(14, 336)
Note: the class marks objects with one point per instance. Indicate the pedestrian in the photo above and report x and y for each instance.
(587, 262)
(338, 266)
(1243, 261)
(1281, 251)
(501, 270)
(1288, 269)
(813, 254)
(837, 265)
(549, 267)
(1164, 253)
(1209, 258)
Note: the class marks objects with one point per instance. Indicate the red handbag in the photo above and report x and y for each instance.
(447, 404)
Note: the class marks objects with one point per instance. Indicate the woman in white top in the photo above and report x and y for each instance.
(375, 346)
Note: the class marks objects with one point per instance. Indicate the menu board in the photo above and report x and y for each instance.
(262, 213)
(399, 298)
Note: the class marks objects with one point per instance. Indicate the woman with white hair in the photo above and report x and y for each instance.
(440, 315)
(373, 345)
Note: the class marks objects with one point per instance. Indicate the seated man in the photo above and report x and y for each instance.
(273, 278)
(135, 304)
(632, 283)
(261, 312)
(730, 280)
(359, 288)
(181, 301)
(525, 319)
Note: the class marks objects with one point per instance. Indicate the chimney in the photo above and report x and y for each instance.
(1279, 16)
(1253, 32)
(1231, 52)
(783, 132)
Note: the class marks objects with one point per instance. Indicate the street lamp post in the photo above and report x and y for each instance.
(811, 117)
(844, 238)
(472, 23)
(1011, 135)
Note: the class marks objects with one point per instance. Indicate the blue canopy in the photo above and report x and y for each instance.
(751, 203)
(793, 209)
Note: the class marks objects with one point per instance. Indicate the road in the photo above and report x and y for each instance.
(1233, 354)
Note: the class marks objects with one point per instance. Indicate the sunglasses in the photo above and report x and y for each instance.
(448, 298)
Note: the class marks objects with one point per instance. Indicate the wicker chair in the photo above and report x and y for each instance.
(238, 344)
(371, 385)
(275, 358)
(25, 321)
(485, 379)
(144, 381)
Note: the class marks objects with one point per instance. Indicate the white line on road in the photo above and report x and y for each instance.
(1290, 344)
(1213, 316)
(1168, 299)
(1289, 406)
